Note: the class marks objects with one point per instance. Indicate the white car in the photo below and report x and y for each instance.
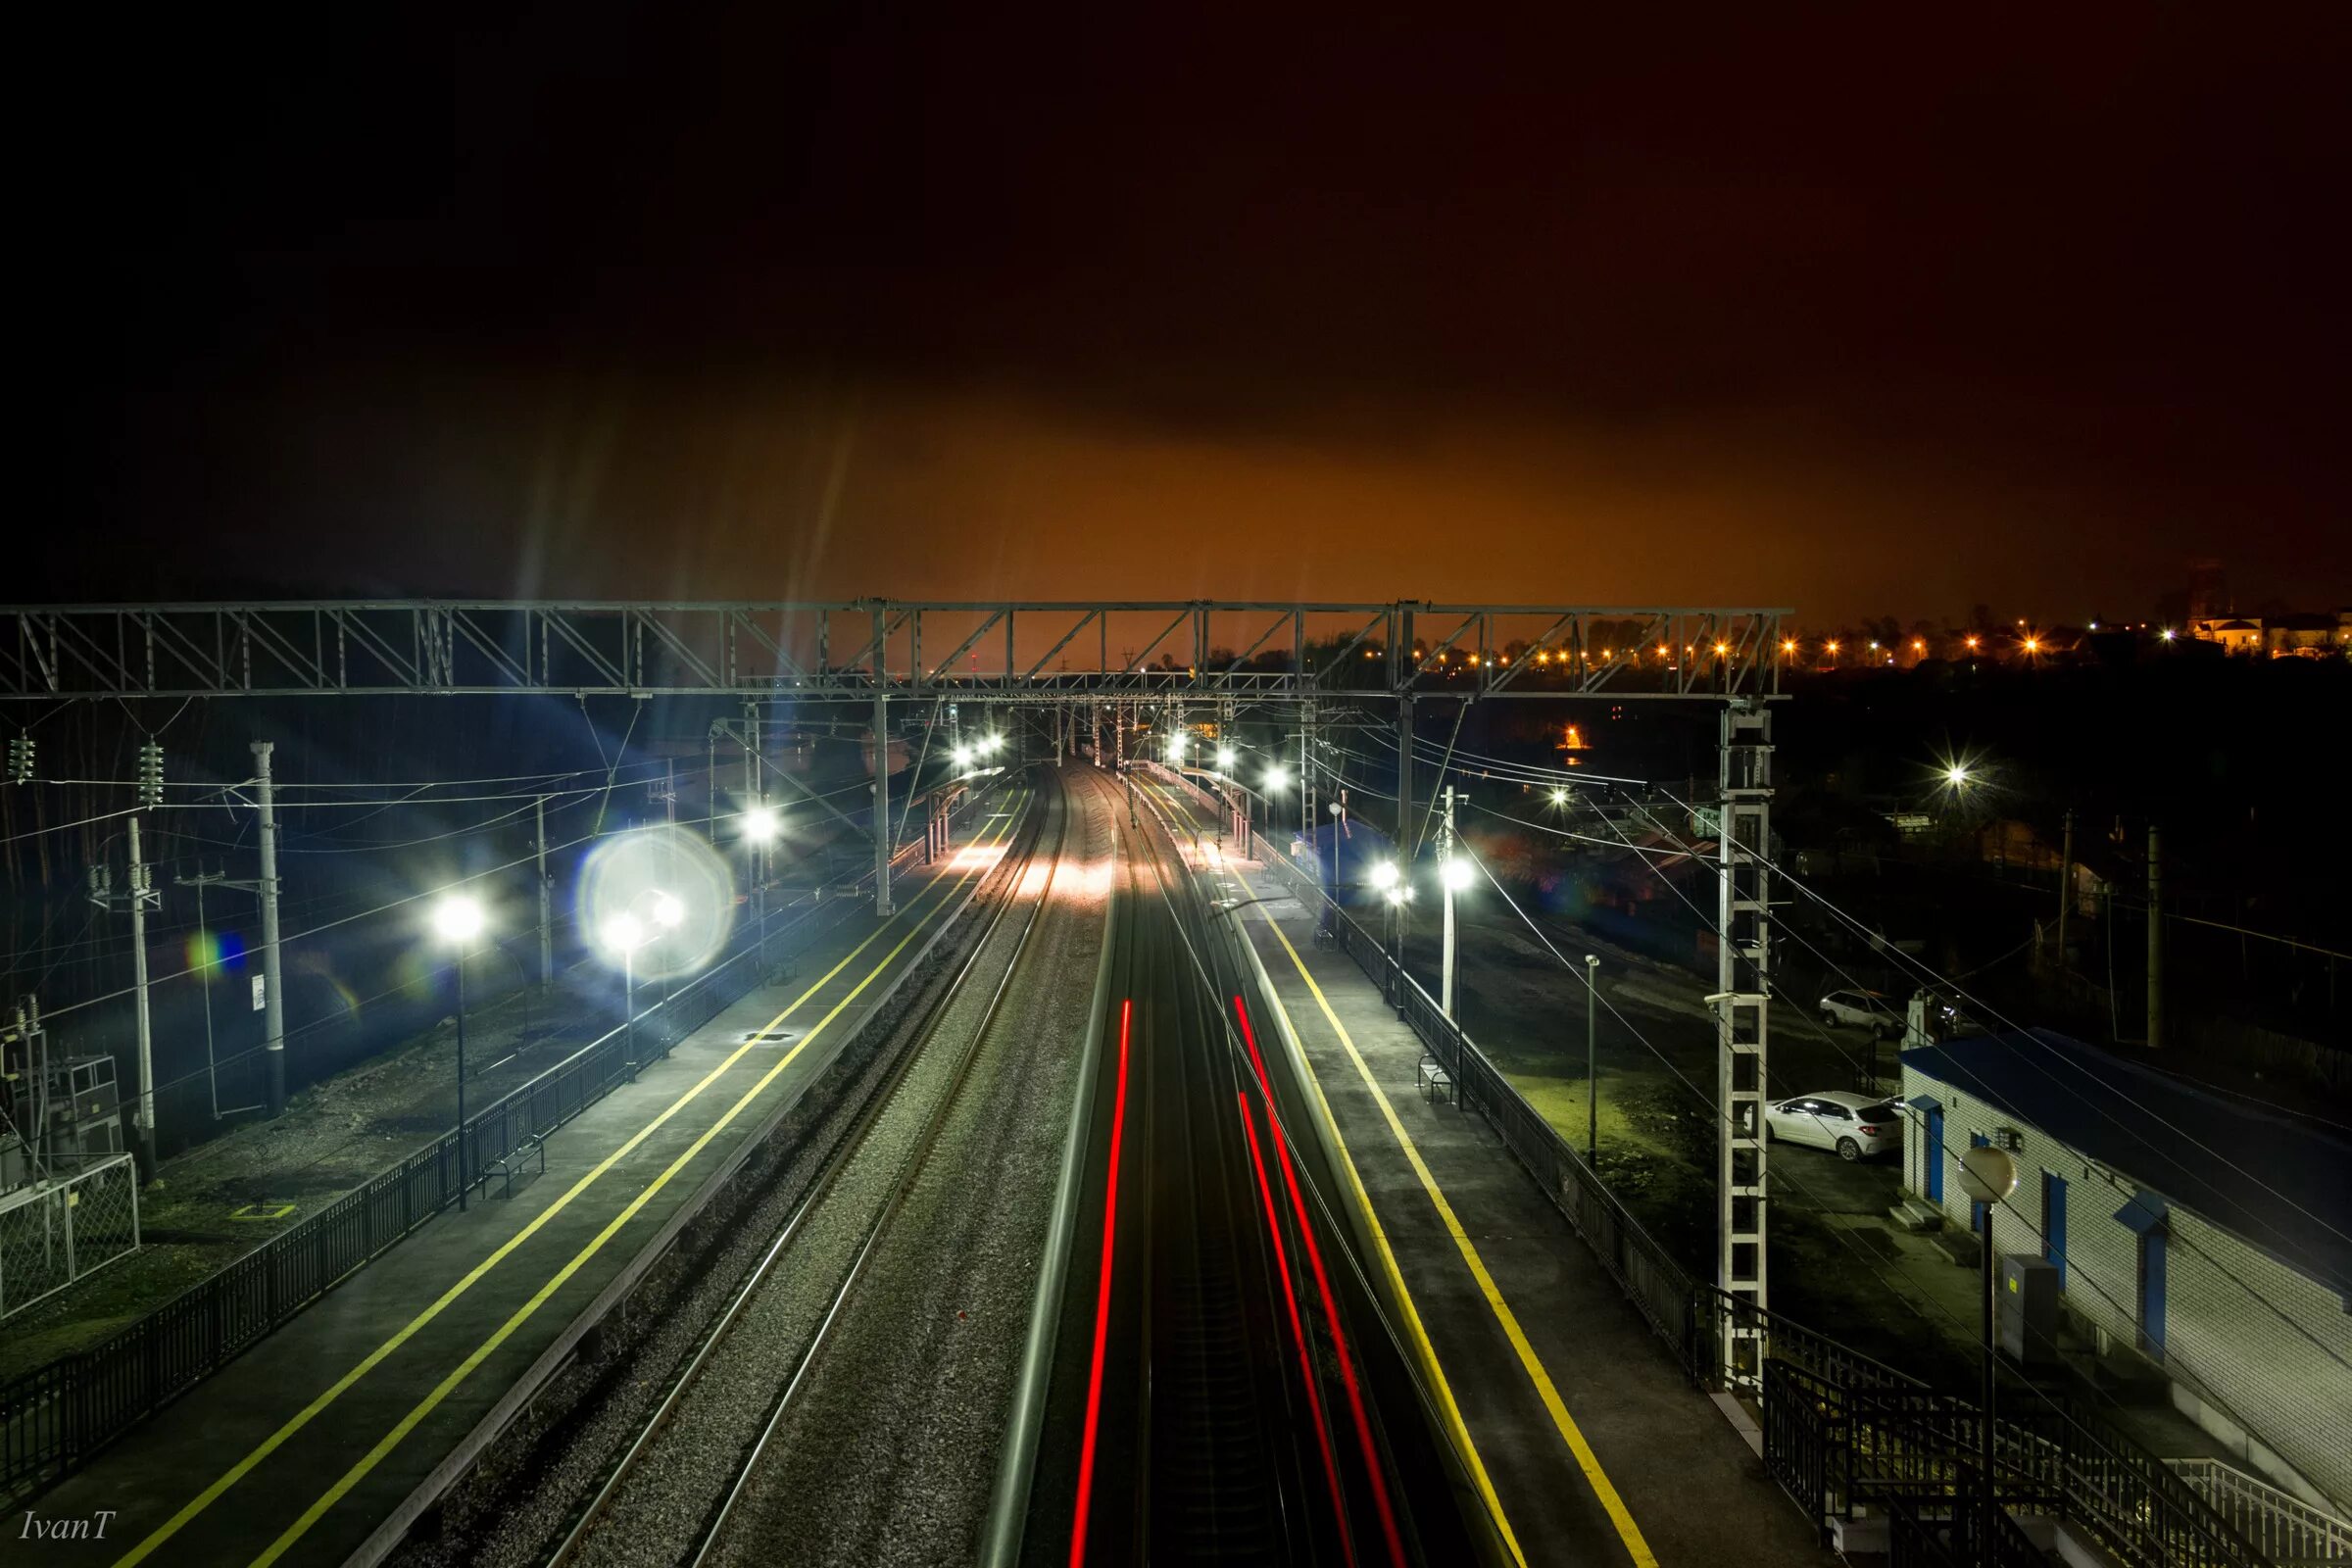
(1864, 1009)
(1857, 1126)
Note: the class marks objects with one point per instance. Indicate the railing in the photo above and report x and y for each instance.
(1839, 1451)
(2280, 1524)
(1914, 1542)
(58, 1414)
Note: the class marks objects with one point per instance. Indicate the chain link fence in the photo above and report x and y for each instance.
(63, 1229)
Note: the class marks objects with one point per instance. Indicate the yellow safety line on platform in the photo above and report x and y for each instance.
(1586, 1460)
(268, 1445)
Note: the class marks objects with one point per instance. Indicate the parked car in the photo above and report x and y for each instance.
(1857, 1126)
(1864, 1009)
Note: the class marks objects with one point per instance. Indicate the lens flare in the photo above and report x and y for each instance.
(673, 888)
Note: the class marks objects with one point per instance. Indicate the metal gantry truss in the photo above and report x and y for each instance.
(1212, 651)
(1010, 651)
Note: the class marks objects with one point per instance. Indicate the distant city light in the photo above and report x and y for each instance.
(2168, 634)
(1559, 797)
(1956, 775)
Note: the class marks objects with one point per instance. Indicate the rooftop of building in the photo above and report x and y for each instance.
(2283, 1183)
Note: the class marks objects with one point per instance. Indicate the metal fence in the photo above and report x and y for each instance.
(2281, 1524)
(1844, 1452)
(57, 1415)
(65, 1228)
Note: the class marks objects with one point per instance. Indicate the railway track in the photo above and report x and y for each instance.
(1235, 1389)
(695, 1534)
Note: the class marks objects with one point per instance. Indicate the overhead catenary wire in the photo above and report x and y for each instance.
(1934, 978)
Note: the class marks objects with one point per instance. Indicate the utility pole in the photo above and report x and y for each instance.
(137, 897)
(1306, 774)
(1743, 991)
(1592, 1062)
(2155, 940)
(882, 905)
(28, 1034)
(1446, 877)
(547, 938)
(273, 1015)
(2066, 884)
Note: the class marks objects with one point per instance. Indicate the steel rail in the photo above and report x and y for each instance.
(868, 1115)
(911, 1167)
(1016, 1463)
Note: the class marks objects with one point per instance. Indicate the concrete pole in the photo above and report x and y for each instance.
(1444, 864)
(465, 1172)
(2066, 884)
(1404, 783)
(138, 965)
(547, 926)
(274, 1006)
(1591, 1061)
(882, 905)
(2155, 940)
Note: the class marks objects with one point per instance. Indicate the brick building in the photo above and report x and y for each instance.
(2206, 1237)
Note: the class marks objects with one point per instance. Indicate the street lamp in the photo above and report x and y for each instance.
(1385, 877)
(457, 919)
(1225, 759)
(1988, 1175)
(1956, 774)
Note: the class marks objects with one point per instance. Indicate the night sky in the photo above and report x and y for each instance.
(1888, 311)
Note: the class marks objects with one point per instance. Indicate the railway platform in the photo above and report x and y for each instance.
(308, 1446)
(1555, 1374)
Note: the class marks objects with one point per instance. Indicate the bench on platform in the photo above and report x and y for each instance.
(1437, 1084)
(509, 1165)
